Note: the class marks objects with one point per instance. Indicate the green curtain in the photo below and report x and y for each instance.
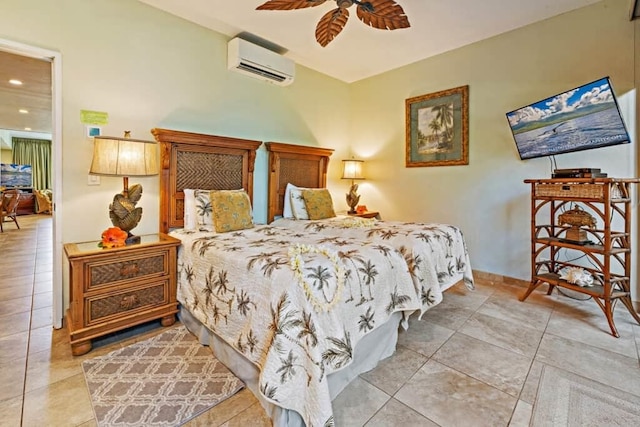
(37, 153)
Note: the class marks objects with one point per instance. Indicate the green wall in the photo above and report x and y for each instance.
(488, 198)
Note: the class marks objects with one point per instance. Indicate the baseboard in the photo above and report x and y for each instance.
(497, 278)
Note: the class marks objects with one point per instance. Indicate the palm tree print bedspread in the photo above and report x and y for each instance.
(296, 302)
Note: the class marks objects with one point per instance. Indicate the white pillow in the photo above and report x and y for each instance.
(189, 209)
(287, 212)
(204, 212)
(298, 205)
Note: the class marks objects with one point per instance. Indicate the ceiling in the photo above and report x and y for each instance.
(34, 96)
(360, 51)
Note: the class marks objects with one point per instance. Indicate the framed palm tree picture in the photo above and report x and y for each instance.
(437, 126)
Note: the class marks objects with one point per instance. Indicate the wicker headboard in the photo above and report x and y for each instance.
(299, 165)
(198, 161)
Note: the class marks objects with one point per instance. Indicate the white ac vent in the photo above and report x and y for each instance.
(256, 61)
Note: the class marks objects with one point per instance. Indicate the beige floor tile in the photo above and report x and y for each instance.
(12, 378)
(521, 415)
(47, 338)
(43, 300)
(13, 347)
(394, 413)
(43, 277)
(225, 410)
(600, 365)
(448, 316)
(593, 330)
(253, 416)
(11, 411)
(51, 366)
(41, 317)
(44, 267)
(530, 389)
(394, 371)
(450, 398)
(16, 281)
(64, 403)
(424, 336)
(11, 292)
(500, 368)
(15, 305)
(538, 296)
(43, 286)
(516, 337)
(14, 323)
(357, 403)
(506, 308)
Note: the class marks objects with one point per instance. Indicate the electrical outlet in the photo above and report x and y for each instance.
(93, 179)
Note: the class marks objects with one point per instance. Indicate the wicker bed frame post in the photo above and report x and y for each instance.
(200, 161)
(299, 165)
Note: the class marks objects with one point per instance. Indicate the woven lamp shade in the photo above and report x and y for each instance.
(124, 157)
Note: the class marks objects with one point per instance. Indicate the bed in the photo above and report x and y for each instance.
(296, 313)
(434, 253)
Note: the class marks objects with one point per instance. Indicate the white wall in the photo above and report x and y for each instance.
(148, 69)
(488, 198)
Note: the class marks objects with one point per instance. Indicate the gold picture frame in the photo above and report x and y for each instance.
(437, 126)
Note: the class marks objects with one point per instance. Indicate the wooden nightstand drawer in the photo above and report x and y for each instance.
(113, 289)
(124, 303)
(101, 273)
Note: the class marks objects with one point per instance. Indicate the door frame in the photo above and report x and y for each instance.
(55, 58)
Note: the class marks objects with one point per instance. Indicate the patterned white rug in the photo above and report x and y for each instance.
(163, 381)
(569, 400)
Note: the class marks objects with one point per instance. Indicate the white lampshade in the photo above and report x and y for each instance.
(352, 169)
(124, 157)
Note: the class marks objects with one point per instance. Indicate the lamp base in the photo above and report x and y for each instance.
(132, 240)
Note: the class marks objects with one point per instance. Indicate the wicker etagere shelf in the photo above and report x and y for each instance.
(607, 253)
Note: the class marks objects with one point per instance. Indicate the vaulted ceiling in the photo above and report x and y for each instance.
(360, 51)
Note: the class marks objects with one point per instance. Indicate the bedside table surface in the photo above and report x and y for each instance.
(367, 214)
(88, 248)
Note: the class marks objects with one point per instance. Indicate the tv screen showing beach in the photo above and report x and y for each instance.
(12, 175)
(579, 119)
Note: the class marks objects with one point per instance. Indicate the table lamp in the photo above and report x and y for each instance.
(125, 157)
(352, 169)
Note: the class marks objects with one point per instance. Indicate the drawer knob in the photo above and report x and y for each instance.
(129, 301)
(129, 270)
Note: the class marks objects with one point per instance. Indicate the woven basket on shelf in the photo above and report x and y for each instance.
(583, 191)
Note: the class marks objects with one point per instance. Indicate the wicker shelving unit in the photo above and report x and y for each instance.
(607, 254)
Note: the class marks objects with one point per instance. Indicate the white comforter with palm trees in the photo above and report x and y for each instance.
(296, 302)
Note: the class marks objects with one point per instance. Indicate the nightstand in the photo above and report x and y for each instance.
(368, 214)
(113, 289)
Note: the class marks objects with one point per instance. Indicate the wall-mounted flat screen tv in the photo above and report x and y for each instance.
(12, 175)
(579, 119)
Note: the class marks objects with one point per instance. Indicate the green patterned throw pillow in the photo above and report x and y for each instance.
(318, 203)
(231, 210)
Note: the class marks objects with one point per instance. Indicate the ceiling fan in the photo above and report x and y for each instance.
(381, 14)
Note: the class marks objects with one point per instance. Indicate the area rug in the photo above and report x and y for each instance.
(163, 381)
(566, 399)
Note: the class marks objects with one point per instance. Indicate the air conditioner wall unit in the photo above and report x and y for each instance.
(256, 61)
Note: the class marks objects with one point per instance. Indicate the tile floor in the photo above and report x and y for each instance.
(474, 360)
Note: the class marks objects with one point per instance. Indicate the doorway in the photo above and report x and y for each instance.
(55, 60)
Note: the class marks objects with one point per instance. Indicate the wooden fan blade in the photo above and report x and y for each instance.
(383, 14)
(289, 4)
(330, 25)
